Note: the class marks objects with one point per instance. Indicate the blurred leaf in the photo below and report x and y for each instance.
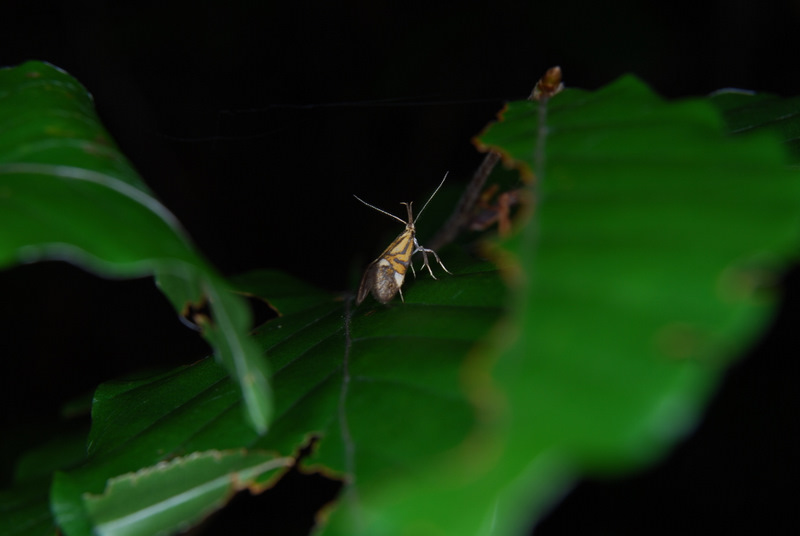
(67, 193)
(25, 511)
(25, 504)
(745, 111)
(67, 448)
(641, 274)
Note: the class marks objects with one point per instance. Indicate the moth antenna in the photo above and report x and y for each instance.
(429, 199)
(380, 210)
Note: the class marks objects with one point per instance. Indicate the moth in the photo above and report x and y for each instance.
(385, 275)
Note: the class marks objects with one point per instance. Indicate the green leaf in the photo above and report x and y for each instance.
(66, 449)
(67, 193)
(171, 496)
(287, 294)
(640, 276)
(24, 510)
(403, 362)
(746, 111)
(24, 505)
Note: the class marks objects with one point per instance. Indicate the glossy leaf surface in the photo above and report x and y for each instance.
(67, 193)
(403, 364)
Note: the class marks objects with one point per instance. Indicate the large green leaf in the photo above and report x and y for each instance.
(402, 363)
(639, 277)
(67, 193)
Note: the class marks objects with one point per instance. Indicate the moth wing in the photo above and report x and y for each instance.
(367, 282)
(387, 281)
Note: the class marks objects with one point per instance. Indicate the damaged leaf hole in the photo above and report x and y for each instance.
(290, 508)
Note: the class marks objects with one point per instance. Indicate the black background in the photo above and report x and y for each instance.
(254, 122)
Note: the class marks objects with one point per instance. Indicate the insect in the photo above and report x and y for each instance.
(385, 275)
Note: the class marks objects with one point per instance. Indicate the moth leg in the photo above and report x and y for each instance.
(439, 261)
(401, 295)
(425, 262)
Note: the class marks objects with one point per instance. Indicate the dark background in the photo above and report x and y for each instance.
(254, 122)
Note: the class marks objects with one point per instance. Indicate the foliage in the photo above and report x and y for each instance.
(646, 242)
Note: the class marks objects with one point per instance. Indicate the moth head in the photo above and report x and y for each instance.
(411, 220)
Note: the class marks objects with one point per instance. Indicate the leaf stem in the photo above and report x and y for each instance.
(547, 86)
